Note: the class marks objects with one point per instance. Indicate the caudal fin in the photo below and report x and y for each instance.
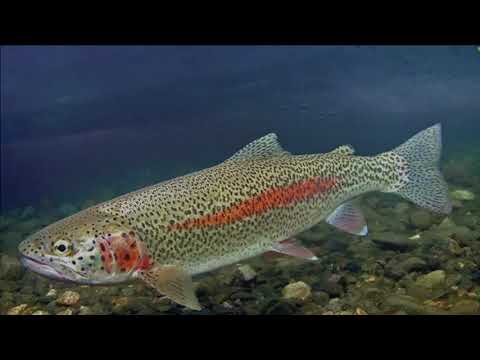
(424, 183)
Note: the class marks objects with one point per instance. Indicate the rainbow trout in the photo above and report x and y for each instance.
(252, 203)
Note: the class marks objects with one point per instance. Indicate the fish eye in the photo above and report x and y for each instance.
(62, 247)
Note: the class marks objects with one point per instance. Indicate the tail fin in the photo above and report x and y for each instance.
(425, 185)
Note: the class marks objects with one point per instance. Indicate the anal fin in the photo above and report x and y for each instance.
(293, 248)
(348, 217)
(173, 282)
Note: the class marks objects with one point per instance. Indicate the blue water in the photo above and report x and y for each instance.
(78, 117)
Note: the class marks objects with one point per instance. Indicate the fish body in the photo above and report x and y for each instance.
(252, 203)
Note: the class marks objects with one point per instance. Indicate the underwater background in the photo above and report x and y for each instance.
(83, 124)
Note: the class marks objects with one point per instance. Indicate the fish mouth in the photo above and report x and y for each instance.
(45, 269)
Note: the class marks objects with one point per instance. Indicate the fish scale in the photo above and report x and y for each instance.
(254, 202)
(215, 190)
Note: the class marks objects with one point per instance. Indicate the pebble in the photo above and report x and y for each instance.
(429, 286)
(67, 311)
(393, 241)
(40, 312)
(120, 301)
(85, 310)
(10, 268)
(466, 307)
(279, 308)
(68, 298)
(297, 290)
(405, 303)
(247, 272)
(17, 310)
(462, 195)
(446, 223)
(360, 311)
(51, 293)
(431, 280)
(421, 219)
(413, 264)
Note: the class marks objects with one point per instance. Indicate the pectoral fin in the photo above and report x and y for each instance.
(292, 247)
(348, 217)
(173, 282)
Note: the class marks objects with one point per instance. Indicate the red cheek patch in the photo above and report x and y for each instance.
(128, 253)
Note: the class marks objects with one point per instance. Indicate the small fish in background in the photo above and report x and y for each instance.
(253, 203)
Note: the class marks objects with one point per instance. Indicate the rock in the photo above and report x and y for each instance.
(128, 291)
(415, 237)
(431, 280)
(421, 219)
(279, 308)
(67, 311)
(321, 298)
(454, 248)
(462, 195)
(353, 267)
(398, 270)
(18, 310)
(469, 220)
(314, 236)
(393, 241)
(360, 311)
(405, 303)
(10, 268)
(401, 208)
(297, 290)
(464, 235)
(446, 223)
(51, 293)
(85, 310)
(163, 304)
(40, 312)
(243, 296)
(329, 283)
(68, 298)
(457, 204)
(429, 286)
(345, 312)
(334, 305)
(466, 307)
(247, 272)
(475, 276)
(413, 264)
(120, 301)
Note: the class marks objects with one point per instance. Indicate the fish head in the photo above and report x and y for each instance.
(86, 249)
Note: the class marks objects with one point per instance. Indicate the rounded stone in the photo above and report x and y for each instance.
(67, 311)
(18, 310)
(462, 195)
(247, 273)
(466, 307)
(421, 219)
(393, 241)
(297, 290)
(68, 298)
(40, 312)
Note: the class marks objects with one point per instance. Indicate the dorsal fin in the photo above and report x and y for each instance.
(262, 148)
(343, 150)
